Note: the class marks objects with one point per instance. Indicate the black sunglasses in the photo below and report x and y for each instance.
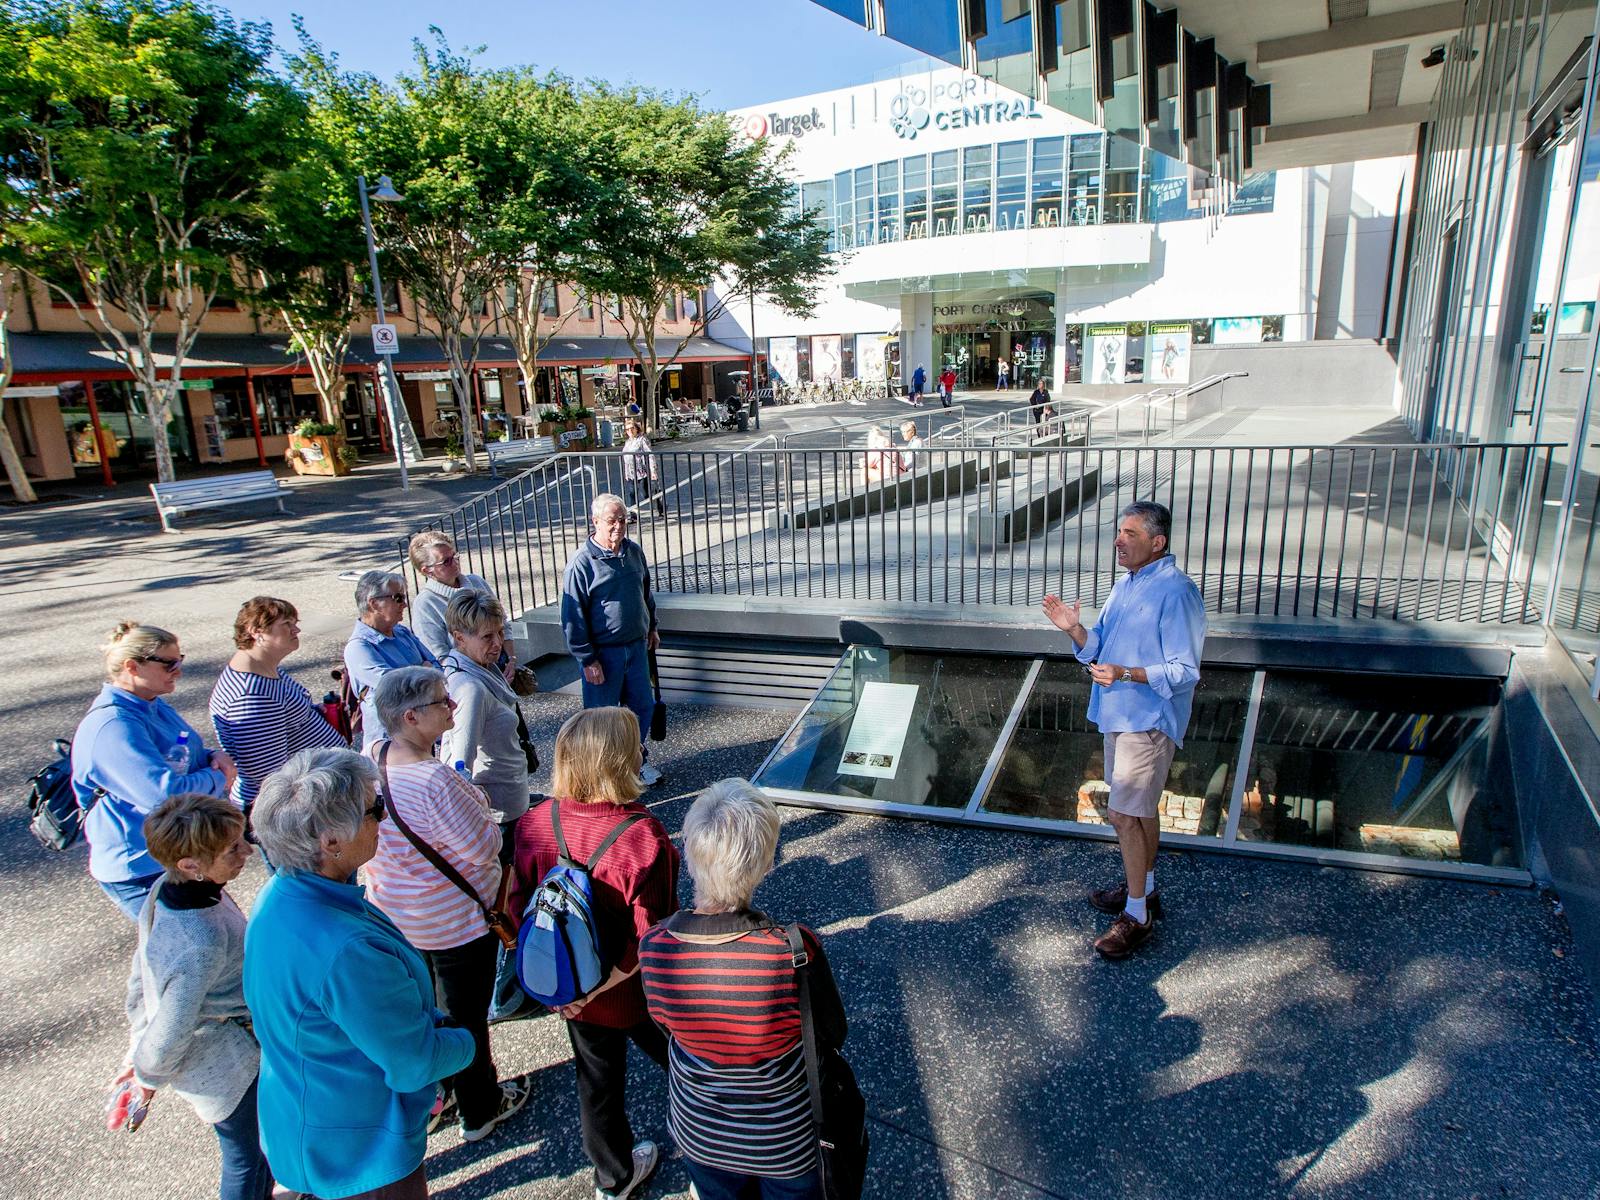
(171, 664)
(378, 809)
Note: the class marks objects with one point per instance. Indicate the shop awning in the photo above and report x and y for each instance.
(72, 355)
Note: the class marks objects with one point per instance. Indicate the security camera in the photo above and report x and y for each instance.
(1434, 57)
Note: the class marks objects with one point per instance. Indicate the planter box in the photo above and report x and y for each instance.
(576, 435)
(317, 455)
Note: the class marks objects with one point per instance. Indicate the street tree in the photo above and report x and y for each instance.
(445, 134)
(698, 202)
(138, 137)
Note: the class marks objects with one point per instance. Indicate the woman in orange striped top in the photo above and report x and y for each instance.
(452, 815)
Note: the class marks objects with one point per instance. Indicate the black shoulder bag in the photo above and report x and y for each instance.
(838, 1110)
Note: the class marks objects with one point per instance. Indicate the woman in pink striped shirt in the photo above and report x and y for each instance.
(452, 815)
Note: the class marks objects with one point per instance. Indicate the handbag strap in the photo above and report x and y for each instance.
(441, 864)
(606, 843)
(800, 958)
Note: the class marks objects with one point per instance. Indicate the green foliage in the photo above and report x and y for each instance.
(349, 455)
(314, 429)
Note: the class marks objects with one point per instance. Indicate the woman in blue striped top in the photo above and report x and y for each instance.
(262, 716)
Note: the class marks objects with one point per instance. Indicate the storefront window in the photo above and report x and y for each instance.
(231, 405)
(1048, 154)
(1083, 178)
(844, 211)
(1071, 84)
(802, 349)
(847, 357)
(864, 206)
(977, 188)
(888, 202)
(282, 408)
(914, 213)
(1011, 185)
(945, 181)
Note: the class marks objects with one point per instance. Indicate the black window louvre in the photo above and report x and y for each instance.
(1219, 110)
(1160, 50)
(1199, 72)
(977, 19)
(1113, 19)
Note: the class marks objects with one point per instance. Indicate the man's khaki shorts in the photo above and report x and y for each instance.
(1136, 770)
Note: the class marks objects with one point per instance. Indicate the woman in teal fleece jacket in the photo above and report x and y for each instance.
(351, 1043)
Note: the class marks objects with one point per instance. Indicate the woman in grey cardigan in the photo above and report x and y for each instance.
(186, 1010)
(489, 736)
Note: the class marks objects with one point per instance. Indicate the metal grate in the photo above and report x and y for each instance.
(1346, 10)
(1388, 68)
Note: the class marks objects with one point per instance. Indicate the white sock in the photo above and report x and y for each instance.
(1150, 882)
(1135, 909)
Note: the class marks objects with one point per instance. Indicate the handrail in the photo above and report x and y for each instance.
(788, 439)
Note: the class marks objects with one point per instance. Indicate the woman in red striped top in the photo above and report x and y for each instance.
(635, 884)
(720, 981)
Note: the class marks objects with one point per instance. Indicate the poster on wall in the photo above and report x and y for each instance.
(870, 357)
(878, 734)
(1107, 357)
(825, 358)
(1235, 331)
(1166, 352)
(783, 360)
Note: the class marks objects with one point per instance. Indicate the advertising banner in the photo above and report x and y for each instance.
(1236, 331)
(1166, 352)
(783, 360)
(870, 356)
(1107, 357)
(825, 358)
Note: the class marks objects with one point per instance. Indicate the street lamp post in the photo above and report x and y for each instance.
(391, 386)
(755, 375)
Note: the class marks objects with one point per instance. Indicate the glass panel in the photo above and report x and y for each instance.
(844, 213)
(1122, 180)
(917, 727)
(851, 10)
(1048, 155)
(1083, 178)
(914, 174)
(1165, 135)
(977, 188)
(888, 202)
(933, 28)
(1123, 116)
(1373, 763)
(802, 349)
(817, 199)
(1011, 185)
(945, 168)
(863, 206)
(1055, 765)
(1071, 84)
(1005, 53)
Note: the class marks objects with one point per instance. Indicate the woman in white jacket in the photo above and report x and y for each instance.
(190, 1029)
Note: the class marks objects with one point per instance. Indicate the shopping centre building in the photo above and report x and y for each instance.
(973, 225)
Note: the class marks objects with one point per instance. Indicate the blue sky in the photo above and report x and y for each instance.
(731, 52)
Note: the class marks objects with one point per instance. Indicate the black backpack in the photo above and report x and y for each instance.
(55, 816)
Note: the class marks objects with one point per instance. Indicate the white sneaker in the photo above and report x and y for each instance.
(514, 1093)
(649, 776)
(646, 1154)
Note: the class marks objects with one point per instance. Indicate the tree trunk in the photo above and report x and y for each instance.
(158, 396)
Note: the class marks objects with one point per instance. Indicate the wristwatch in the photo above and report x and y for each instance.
(1127, 675)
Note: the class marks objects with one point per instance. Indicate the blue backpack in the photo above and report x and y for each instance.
(559, 956)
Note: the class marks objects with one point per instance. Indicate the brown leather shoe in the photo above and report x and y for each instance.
(1124, 937)
(1115, 899)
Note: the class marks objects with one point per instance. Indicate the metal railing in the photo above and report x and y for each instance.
(928, 422)
(1389, 532)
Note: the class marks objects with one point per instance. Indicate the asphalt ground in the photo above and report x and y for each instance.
(1293, 1031)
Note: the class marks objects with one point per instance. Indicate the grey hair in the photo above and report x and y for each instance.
(370, 584)
(401, 690)
(730, 837)
(316, 794)
(470, 610)
(604, 501)
(1155, 518)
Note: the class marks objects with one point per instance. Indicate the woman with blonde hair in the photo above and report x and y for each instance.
(131, 751)
(597, 787)
(190, 1029)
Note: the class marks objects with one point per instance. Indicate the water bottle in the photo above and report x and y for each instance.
(178, 757)
(461, 769)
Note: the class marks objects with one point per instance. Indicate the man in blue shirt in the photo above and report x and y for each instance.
(1144, 657)
(609, 618)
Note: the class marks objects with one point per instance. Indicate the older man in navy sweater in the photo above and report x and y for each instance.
(609, 617)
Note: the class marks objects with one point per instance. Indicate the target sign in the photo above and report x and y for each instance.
(385, 339)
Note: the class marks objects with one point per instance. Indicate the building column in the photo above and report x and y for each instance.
(916, 336)
(1058, 354)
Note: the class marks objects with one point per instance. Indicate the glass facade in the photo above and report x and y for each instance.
(1336, 765)
(1005, 51)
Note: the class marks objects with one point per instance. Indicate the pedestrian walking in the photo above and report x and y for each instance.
(1143, 655)
(919, 384)
(1004, 375)
(640, 473)
(947, 386)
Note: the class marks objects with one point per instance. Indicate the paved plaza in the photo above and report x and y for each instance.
(1294, 1031)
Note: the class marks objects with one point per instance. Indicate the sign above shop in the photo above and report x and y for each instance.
(760, 125)
(956, 105)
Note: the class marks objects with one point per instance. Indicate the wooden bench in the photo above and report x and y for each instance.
(519, 448)
(220, 491)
